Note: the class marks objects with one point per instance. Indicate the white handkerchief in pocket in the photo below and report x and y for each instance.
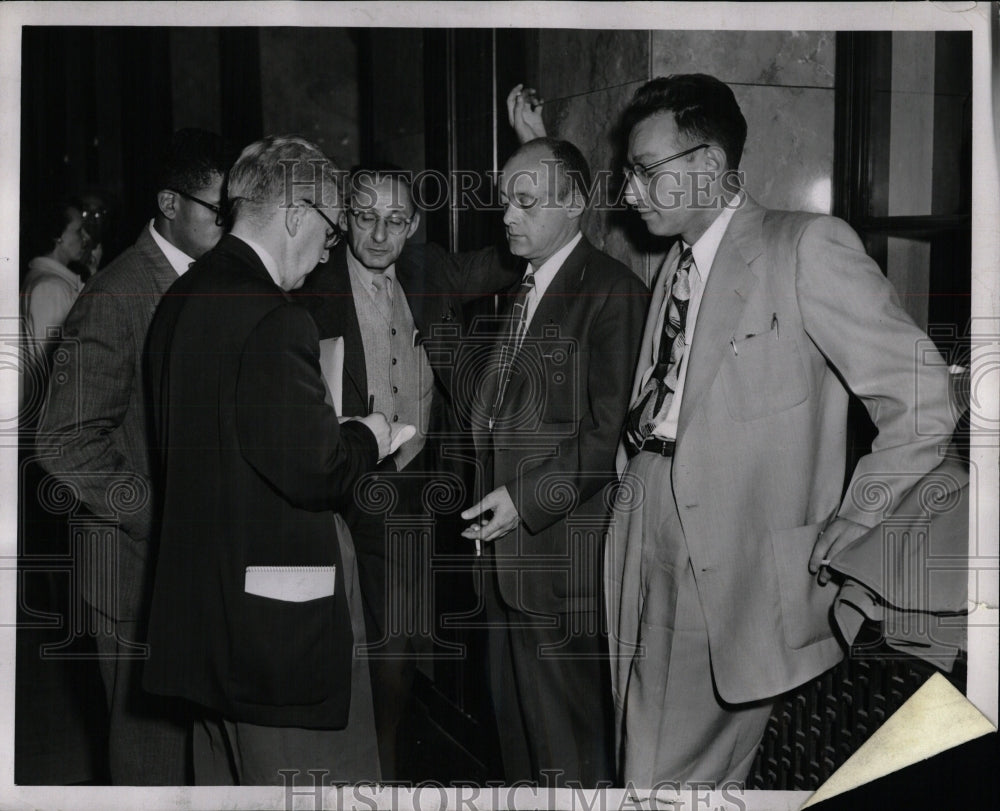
(293, 584)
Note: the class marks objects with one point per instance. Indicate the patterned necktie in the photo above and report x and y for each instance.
(516, 325)
(658, 393)
(383, 301)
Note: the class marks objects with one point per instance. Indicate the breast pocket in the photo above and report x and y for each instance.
(763, 374)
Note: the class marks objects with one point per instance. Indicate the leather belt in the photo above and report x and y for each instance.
(662, 447)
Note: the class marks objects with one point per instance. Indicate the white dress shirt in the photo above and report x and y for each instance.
(703, 251)
(544, 276)
(178, 260)
(365, 277)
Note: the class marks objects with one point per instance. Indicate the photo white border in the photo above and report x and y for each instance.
(973, 17)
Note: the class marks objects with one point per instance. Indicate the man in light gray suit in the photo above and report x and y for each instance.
(98, 430)
(761, 322)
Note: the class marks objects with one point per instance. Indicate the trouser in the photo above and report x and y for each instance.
(234, 753)
(673, 726)
(148, 735)
(389, 572)
(550, 687)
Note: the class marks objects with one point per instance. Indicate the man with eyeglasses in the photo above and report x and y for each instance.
(761, 322)
(255, 610)
(385, 299)
(96, 419)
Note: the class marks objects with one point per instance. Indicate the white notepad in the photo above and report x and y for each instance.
(292, 584)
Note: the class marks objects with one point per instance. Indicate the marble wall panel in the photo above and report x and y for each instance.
(797, 58)
(788, 159)
(587, 120)
(309, 86)
(574, 61)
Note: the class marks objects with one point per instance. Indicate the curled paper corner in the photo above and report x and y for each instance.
(935, 718)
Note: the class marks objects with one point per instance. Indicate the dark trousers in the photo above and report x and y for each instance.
(551, 691)
(148, 736)
(388, 570)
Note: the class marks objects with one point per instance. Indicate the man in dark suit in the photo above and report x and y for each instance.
(385, 299)
(761, 322)
(548, 414)
(251, 617)
(96, 420)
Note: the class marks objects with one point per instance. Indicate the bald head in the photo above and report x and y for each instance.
(543, 192)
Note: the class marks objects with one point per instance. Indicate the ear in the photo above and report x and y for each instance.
(293, 218)
(576, 205)
(414, 225)
(166, 201)
(342, 220)
(715, 159)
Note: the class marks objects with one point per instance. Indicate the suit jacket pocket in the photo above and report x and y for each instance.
(282, 652)
(805, 605)
(763, 374)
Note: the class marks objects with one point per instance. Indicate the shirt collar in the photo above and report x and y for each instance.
(265, 257)
(551, 266)
(366, 276)
(50, 265)
(178, 260)
(707, 246)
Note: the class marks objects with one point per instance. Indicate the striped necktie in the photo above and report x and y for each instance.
(658, 393)
(516, 325)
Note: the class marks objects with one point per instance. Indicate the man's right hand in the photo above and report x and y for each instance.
(379, 426)
(524, 112)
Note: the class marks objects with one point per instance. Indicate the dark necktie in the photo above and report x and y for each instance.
(656, 396)
(516, 325)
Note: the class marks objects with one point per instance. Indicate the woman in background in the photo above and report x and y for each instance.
(48, 293)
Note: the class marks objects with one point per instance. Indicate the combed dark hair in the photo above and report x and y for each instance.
(573, 167)
(704, 109)
(51, 223)
(375, 173)
(193, 157)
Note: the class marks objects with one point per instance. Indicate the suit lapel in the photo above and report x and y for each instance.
(651, 333)
(154, 262)
(340, 317)
(552, 309)
(729, 283)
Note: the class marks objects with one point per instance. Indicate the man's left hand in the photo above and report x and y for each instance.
(505, 518)
(839, 535)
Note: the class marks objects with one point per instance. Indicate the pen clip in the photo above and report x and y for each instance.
(774, 324)
(732, 343)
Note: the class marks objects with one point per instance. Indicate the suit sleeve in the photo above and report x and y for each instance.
(290, 436)
(585, 462)
(851, 313)
(473, 274)
(83, 410)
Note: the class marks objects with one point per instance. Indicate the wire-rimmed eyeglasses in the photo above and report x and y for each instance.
(641, 172)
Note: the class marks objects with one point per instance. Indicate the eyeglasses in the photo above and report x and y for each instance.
(641, 172)
(215, 209)
(394, 224)
(333, 238)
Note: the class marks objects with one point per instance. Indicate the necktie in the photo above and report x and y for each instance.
(383, 301)
(656, 396)
(516, 325)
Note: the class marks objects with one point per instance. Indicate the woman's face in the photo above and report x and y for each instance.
(72, 243)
